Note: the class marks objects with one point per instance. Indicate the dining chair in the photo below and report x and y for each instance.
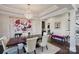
(44, 42)
(4, 42)
(20, 47)
(7, 50)
(31, 45)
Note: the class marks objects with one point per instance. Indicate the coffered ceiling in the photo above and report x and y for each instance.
(37, 9)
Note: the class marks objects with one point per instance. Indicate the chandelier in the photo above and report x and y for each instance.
(28, 13)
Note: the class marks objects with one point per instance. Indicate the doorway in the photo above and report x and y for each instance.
(48, 28)
(43, 27)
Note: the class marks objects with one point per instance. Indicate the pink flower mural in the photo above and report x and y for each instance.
(22, 25)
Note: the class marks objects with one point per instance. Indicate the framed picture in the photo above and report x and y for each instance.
(57, 25)
(22, 25)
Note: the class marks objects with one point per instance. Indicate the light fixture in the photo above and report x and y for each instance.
(28, 13)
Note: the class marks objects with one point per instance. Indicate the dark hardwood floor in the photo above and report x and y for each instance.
(64, 47)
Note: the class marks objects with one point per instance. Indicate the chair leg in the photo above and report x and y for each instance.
(47, 47)
(17, 51)
(6, 52)
(42, 49)
(27, 52)
(35, 51)
(24, 50)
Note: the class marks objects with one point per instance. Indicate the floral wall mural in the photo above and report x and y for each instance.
(22, 25)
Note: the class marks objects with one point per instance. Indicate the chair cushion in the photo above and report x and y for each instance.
(42, 44)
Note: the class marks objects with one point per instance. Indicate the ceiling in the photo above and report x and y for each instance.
(37, 9)
(77, 5)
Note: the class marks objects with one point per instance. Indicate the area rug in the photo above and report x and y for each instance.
(52, 49)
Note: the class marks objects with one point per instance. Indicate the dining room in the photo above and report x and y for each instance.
(21, 32)
(26, 28)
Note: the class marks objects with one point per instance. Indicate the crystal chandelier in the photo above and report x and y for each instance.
(28, 14)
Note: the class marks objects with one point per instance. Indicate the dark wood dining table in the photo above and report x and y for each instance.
(17, 40)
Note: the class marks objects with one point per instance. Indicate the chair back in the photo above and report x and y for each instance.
(44, 40)
(4, 42)
(31, 44)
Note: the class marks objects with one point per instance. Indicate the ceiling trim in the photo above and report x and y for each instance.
(61, 11)
(10, 14)
(51, 9)
(9, 9)
(75, 7)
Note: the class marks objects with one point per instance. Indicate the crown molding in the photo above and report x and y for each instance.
(10, 14)
(75, 7)
(10, 9)
(61, 11)
(47, 11)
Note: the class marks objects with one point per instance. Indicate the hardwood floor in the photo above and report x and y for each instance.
(64, 47)
(61, 45)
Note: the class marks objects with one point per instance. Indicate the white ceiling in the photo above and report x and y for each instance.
(36, 9)
(77, 5)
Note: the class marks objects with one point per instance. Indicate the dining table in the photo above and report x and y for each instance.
(17, 40)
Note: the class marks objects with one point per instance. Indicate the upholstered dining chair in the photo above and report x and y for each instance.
(4, 42)
(44, 41)
(20, 47)
(7, 50)
(31, 45)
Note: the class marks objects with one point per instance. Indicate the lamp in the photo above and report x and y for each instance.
(28, 14)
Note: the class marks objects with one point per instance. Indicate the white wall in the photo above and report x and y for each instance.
(36, 26)
(4, 25)
(63, 19)
(7, 27)
(0, 26)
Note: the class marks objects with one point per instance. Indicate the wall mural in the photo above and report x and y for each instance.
(22, 25)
